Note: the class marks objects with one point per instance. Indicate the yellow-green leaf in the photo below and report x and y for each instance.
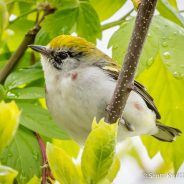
(136, 3)
(164, 37)
(69, 146)
(7, 175)
(113, 169)
(34, 180)
(169, 12)
(99, 151)
(173, 3)
(106, 8)
(9, 120)
(168, 95)
(62, 166)
(3, 17)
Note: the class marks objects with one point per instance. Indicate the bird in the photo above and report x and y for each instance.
(80, 81)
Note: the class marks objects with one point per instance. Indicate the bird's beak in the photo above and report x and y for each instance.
(39, 48)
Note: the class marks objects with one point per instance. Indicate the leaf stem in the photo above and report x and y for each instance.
(117, 22)
(46, 172)
(44, 158)
(126, 77)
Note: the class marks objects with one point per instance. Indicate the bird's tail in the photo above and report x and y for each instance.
(166, 133)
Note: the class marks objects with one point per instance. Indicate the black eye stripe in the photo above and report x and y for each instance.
(62, 55)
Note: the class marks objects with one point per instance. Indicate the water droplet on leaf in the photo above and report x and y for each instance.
(35, 155)
(115, 47)
(177, 75)
(167, 63)
(150, 61)
(10, 155)
(167, 55)
(175, 33)
(164, 44)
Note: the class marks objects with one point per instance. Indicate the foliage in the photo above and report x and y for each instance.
(10, 113)
(99, 148)
(161, 70)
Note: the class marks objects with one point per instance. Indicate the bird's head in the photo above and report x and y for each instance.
(67, 52)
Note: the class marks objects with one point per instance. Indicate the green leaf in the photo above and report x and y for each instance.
(18, 34)
(9, 121)
(39, 120)
(169, 12)
(65, 4)
(3, 17)
(69, 146)
(26, 93)
(106, 8)
(42, 38)
(99, 149)
(164, 36)
(2, 92)
(23, 154)
(167, 92)
(60, 22)
(81, 18)
(62, 166)
(171, 47)
(124, 33)
(88, 24)
(7, 175)
(23, 76)
(173, 3)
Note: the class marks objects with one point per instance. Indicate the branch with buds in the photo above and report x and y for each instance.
(126, 77)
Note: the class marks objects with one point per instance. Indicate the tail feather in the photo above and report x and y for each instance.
(166, 133)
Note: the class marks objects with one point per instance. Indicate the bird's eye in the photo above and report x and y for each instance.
(63, 55)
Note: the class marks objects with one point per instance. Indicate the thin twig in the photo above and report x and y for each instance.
(23, 15)
(117, 22)
(28, 39)
(44, 158)
(126, 76)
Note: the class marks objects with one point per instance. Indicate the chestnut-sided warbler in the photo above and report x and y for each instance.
(80, 81)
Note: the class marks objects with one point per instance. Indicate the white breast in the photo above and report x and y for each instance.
(75, 102)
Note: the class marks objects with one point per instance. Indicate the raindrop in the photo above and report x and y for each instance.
(149, 35)
(23, 178)
(35, 155)
(167, 55)
(12, 95)
(10, 155)
(150, 61)
(167, 63)
(177, 75)
(175, 33)
(164, 44)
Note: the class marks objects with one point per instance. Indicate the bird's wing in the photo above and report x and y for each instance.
(113, 70)
(141, 90)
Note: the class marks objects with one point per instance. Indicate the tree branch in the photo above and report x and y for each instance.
(126, 76)
(28, 39)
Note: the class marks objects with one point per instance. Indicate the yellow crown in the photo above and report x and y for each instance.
(73, 42)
